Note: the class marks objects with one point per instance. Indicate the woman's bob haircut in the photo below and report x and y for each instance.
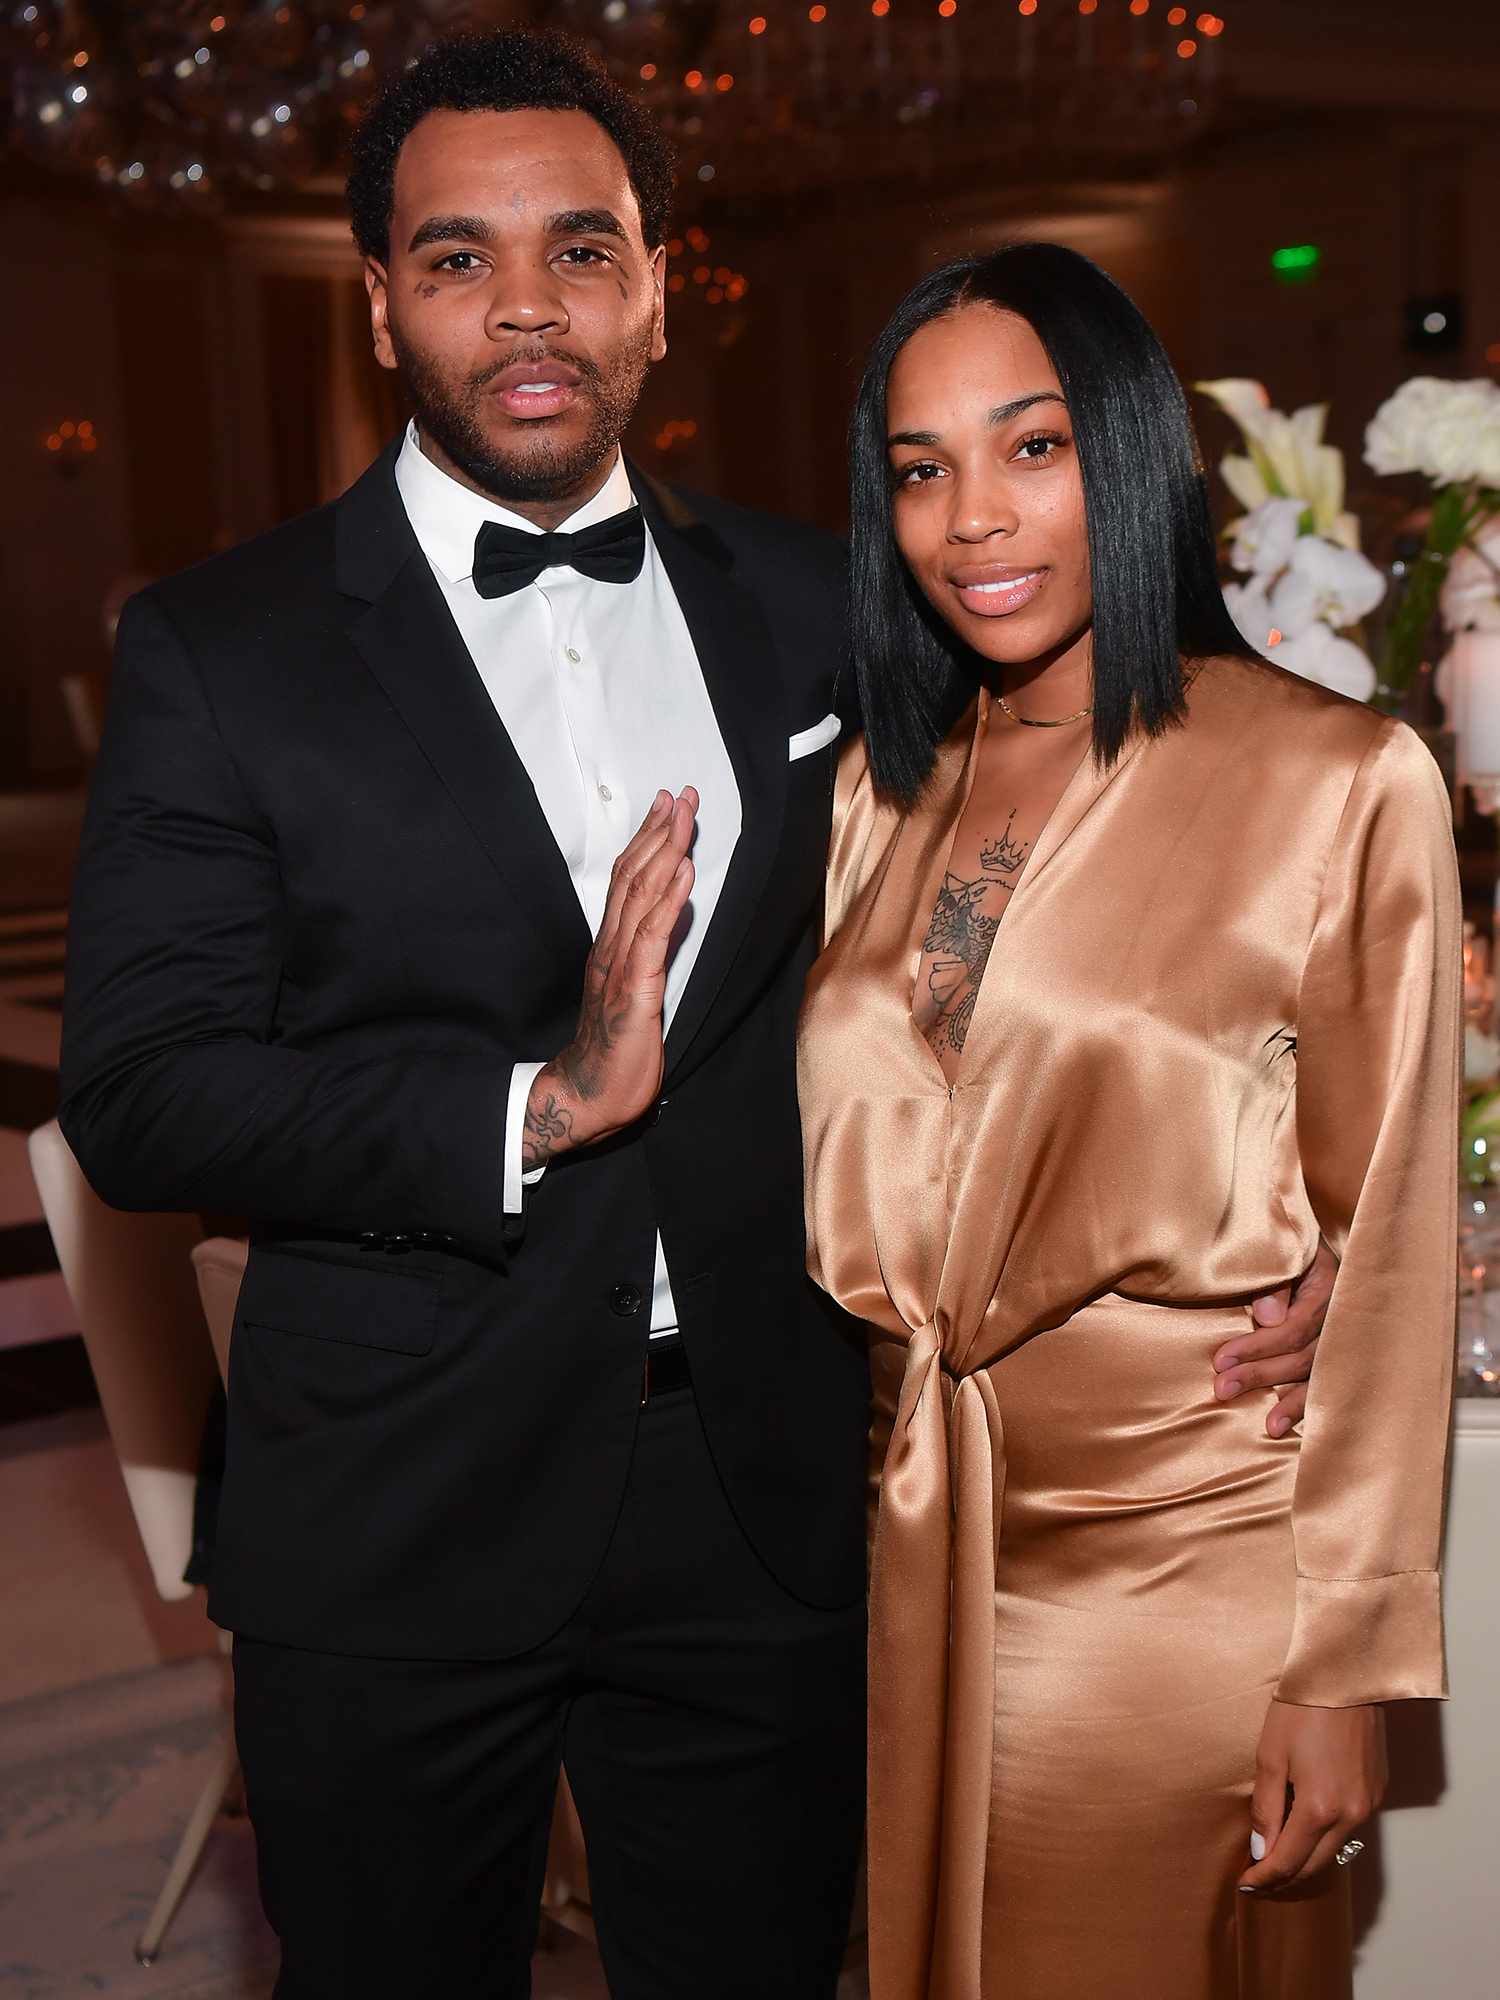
(1156, 595)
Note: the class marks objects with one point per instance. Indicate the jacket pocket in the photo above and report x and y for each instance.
(287, 1292)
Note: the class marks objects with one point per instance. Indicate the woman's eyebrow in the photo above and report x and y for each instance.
(1001, 414)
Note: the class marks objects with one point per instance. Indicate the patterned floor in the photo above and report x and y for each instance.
(33, 1306)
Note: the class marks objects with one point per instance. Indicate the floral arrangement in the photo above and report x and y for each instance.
(1449, 432)
(1305, 586)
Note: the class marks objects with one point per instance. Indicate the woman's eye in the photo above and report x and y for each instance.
(1041, 449)
(918, 473)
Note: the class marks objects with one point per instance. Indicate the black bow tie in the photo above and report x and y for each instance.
(507, 559)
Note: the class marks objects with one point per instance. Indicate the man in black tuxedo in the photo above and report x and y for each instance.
(541, 1445)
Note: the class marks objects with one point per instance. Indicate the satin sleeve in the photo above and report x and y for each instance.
(1379, 1038)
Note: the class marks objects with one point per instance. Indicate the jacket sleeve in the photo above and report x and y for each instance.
(175, 1093)
(1379, 1039)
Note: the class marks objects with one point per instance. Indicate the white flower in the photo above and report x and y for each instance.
(1471, 591)
(1242, 400)
(1265, 538)
(1250, 608)
(1319, 654)
(1448, 431)
(1325, 584)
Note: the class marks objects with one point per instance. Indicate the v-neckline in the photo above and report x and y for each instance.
(1083, 787)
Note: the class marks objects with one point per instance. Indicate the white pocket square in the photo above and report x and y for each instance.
(818, 737)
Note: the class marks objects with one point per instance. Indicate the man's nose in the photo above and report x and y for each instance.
(526, 304)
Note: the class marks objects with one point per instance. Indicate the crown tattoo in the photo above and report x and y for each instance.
(1003, 856)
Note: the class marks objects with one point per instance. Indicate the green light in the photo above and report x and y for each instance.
(1296, 260)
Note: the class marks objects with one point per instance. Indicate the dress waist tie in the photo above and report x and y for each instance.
(932, 1675)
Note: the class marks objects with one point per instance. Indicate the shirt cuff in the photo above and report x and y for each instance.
(514, 1182)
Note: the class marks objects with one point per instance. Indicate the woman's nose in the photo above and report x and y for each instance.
(980, 511)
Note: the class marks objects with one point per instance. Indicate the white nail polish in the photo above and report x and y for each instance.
(1257, 1847)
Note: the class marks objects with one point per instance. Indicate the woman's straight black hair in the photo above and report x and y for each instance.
(1156, 595)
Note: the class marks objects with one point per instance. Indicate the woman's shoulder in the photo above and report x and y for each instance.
(1307, 733)
(1232, 693)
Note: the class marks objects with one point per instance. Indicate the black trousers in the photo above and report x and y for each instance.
(713, 1730)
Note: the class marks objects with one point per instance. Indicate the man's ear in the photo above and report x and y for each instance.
(378, 287)
(659, 302)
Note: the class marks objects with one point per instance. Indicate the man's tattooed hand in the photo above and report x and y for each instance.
(548, 1125)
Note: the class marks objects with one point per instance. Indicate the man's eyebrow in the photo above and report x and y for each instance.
(586, 222)
(451, 229)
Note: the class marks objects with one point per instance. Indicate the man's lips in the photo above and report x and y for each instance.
(530, 389)
(993, 590)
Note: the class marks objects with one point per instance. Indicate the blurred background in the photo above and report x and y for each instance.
(1299, 192)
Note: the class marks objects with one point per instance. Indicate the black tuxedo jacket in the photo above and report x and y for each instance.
(317, 919)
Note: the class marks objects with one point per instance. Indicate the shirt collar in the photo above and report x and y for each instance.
(446, 516)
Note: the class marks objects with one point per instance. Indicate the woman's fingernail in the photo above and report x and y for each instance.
(1229, 1388)
(1279, 1427)
(1257, 1847)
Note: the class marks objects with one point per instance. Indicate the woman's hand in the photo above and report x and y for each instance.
(1279, 1353)
(1333, 1760)
(609, 1074)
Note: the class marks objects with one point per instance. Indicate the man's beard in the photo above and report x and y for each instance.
(541, 468)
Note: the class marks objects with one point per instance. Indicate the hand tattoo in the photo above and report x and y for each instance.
(599, 1024)
(960, 937)
(545, 1126)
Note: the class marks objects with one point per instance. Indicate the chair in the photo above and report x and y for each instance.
(131, 1285)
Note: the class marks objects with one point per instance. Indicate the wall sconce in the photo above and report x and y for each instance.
(71, 446)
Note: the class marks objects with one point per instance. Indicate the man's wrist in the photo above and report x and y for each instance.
(550, 1127)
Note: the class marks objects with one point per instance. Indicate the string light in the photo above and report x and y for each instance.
(947, 8)
(758, 25)
(817, 15)
(724, 82)
(1027, 7)
(648, 72)
(1139, 7)
(1176, 16)
(694, 79)
(1187, 49)
(1088, 6)
(880, 8)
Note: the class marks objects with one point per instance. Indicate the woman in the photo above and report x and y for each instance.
(1141, 969)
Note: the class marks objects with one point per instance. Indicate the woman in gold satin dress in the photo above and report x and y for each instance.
(1141, 969)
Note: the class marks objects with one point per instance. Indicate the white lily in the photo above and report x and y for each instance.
(1319, 654)
(1244, 402)
(1326, 584)
(1265, 538)
(1250, 608)
(1287, 458)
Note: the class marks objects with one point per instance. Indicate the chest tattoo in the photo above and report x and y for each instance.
(960, 934)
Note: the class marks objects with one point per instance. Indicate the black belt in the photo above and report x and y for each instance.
(666, 1367)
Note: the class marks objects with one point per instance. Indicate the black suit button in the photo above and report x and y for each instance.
(397, 1244)
(625, 1300)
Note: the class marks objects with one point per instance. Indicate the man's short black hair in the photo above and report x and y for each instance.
(509, 69)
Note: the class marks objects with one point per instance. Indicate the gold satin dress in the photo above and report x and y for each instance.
(1221, 1014)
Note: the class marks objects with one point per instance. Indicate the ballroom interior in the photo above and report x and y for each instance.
(1299, 193)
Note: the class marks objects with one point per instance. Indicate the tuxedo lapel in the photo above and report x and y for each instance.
(738, 662)
(406, 636)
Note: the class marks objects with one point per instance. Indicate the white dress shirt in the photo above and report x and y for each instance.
(598, 687)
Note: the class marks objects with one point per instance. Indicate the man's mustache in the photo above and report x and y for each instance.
(589, 370)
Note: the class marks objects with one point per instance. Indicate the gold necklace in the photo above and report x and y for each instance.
(1031, 722)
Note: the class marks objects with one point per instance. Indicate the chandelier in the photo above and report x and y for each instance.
(183, 104)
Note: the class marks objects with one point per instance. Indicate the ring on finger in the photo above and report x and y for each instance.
(1350, 1851)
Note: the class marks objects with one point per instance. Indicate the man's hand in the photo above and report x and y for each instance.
(1279, 1353)
(609, 1074)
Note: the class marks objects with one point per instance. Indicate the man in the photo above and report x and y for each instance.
(540, 1443)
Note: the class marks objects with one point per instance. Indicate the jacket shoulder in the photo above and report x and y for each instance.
(287, 570)
(756, 538)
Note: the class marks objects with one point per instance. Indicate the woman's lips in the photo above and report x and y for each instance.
(995, 594)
